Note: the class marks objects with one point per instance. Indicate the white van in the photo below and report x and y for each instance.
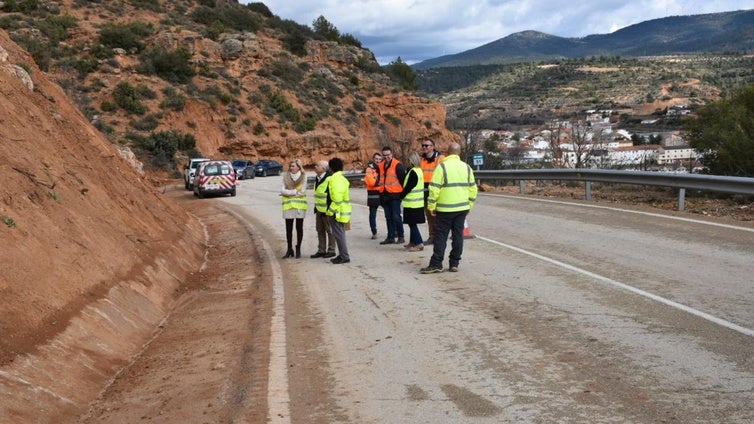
(190, 170)
(215, 177)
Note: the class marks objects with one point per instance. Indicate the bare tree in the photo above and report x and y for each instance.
(583, 145)
(553, 146)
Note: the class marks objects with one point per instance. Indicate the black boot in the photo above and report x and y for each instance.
(298, 252)
(288, 254)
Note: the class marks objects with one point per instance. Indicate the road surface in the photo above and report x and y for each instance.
(561, 312)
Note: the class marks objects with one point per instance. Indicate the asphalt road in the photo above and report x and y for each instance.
(561, 312)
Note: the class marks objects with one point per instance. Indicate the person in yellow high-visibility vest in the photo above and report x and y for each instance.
(452, 194)
(339, 208)
(413, 203)
(293, 196)
(325, 239)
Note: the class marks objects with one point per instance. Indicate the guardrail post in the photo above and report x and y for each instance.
(521, 189)
(681, 199)
(588, 190)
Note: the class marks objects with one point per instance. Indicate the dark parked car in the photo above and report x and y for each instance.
(244, 168)
(267, 167)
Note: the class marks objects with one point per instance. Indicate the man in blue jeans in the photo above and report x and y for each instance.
(392, 173)
(452, 193)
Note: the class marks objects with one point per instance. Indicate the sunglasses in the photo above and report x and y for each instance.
(426, 145)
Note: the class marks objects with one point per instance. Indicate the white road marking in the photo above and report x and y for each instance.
(654, 215)
(704, 315)
(278, 395)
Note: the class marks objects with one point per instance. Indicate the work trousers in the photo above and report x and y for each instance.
(339, 232)
(325, 239)
(392, 207)
(445, 223)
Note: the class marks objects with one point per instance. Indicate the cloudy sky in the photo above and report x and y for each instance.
(416, 30)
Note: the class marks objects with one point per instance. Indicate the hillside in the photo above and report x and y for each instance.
(102, 100)
(709, 33)
(505, 96)
(215, 78)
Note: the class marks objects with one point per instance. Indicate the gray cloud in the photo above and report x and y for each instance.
(425, 29)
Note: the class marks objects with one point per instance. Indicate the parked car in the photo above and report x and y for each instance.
(267, 167)
(190, 170)
(215, 177)
(244, 168)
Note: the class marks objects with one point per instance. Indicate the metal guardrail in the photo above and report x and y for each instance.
(715, 183)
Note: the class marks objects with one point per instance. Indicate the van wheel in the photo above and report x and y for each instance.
(233, 193)
(185, 183)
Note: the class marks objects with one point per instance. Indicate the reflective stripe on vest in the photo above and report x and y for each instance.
(415, 198)
(297, 202)
(340, 202)
(454, 195)
(390, 181)
(320, 196)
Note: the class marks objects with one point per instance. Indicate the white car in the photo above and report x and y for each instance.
(190, 171)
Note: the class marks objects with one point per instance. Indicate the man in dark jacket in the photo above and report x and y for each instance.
(326, 241)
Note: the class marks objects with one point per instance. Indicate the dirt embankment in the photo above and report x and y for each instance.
(91, 254)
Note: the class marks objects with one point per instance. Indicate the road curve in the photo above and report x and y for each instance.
(561, 312)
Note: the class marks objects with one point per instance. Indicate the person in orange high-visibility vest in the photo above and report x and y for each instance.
(392, 173)
(372, 181)
(430, 159)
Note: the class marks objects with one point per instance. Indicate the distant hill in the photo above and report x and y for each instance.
(708, 33)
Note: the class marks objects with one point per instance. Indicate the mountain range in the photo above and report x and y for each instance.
(708, 33)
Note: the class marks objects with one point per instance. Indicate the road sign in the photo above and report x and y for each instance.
(477, 159)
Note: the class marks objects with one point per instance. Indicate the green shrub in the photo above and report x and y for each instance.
(108, 106)
(160, 147)
(145, 92)
(23, 6)
(40, 50)
(56, 27)
(153, 5)
(359, 106)
(237, 18)
(127, 97)
(214, 30)
(147, 123)
(125, 36)
(260, 8)
(173, 100)
(173, 66)
(295, 43)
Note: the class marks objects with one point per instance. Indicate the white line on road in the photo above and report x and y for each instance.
(278, 396)
(655, 215)
(704, 315)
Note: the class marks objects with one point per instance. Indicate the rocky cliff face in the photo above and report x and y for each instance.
(389, 117)
(247, 87)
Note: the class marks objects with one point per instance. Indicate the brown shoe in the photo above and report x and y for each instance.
(407, 245)
(401, 240)
(388, 241)
(416, 248)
